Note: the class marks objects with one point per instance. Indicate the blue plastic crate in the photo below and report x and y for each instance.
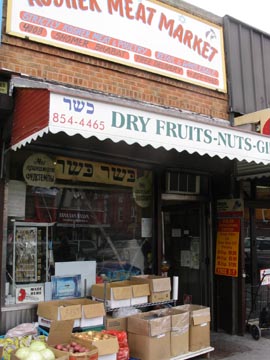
(42, 331)
(118, 272)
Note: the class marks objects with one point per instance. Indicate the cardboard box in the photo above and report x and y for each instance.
(161, 296)
(116, 294)
(160, 287)
(149, 347)
(92, 312)
(140, 293)
(83, 312)
(61, 333)
(122, 293)
(48, 311)
(199, 326)
(179, 330)
(149, 323)
(107, 345)
(116, 323)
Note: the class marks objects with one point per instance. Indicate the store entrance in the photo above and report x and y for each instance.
(187, 249)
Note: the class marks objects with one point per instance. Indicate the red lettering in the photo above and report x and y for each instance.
(82, 6)
(129, 9)
(31, 2)
(187, 38)
(197, 44)
(178, 32)
(94, 6)
(70, 4)
(115, 6)
(214, 52)
(163, 23)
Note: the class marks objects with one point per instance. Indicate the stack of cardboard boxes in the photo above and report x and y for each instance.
(168, 333)
(160, 334)
(157, 334)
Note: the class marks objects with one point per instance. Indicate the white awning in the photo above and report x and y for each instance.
(58, 109)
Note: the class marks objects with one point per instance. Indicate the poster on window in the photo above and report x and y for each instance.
(26, 254)
(227, 248)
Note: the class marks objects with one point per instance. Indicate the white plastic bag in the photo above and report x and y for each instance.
(23, 330)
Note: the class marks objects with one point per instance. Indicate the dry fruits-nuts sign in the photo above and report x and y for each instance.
(139, 33)
(87, 117)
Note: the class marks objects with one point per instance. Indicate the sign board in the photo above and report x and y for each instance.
(30, 293)
(104, 120)
(64, 287)
(227, 247)
(143, 34)
(230, 208)
(89, 171)
(38, 170)
(86, 269)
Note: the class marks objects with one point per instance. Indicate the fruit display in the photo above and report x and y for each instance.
(92, 336)
(105, 343)
(72, 347)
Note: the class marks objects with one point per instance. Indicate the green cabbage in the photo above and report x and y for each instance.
(22, 353)
(37, 345)
(47, 354)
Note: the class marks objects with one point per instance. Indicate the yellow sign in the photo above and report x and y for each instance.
(142, 192)
(3, 87)
(89, 171)
(227, 250)
(38, 170)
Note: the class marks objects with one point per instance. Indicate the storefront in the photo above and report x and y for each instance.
(123, 186)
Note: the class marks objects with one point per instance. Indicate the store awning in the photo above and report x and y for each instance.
(56, 109)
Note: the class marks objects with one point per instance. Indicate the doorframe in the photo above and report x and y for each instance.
(206, 247)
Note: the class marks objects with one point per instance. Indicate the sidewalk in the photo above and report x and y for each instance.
(234, 347)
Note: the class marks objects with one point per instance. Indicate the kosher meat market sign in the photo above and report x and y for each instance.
(142, 34)
(104, 120)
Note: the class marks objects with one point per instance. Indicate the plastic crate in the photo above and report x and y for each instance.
(42, 331)
(118, 272)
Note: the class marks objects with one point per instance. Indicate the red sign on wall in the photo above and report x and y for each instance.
(227, 249)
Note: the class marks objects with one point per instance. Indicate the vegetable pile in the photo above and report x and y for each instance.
(72, 347)
(36, 351)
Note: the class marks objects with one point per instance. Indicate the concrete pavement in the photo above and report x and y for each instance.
(233, 347)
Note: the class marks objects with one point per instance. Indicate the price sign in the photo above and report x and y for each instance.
(227, 249)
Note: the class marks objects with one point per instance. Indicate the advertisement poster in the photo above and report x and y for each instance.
(227, 250)
(26, 254)
(64, 287)
(30, 293)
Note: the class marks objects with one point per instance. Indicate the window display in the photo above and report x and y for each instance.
(77, 220)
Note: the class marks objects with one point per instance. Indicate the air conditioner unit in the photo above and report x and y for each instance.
(182, 183)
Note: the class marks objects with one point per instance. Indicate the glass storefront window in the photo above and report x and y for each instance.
(78, 221)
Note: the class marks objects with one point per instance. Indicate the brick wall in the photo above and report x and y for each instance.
(60, 66)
